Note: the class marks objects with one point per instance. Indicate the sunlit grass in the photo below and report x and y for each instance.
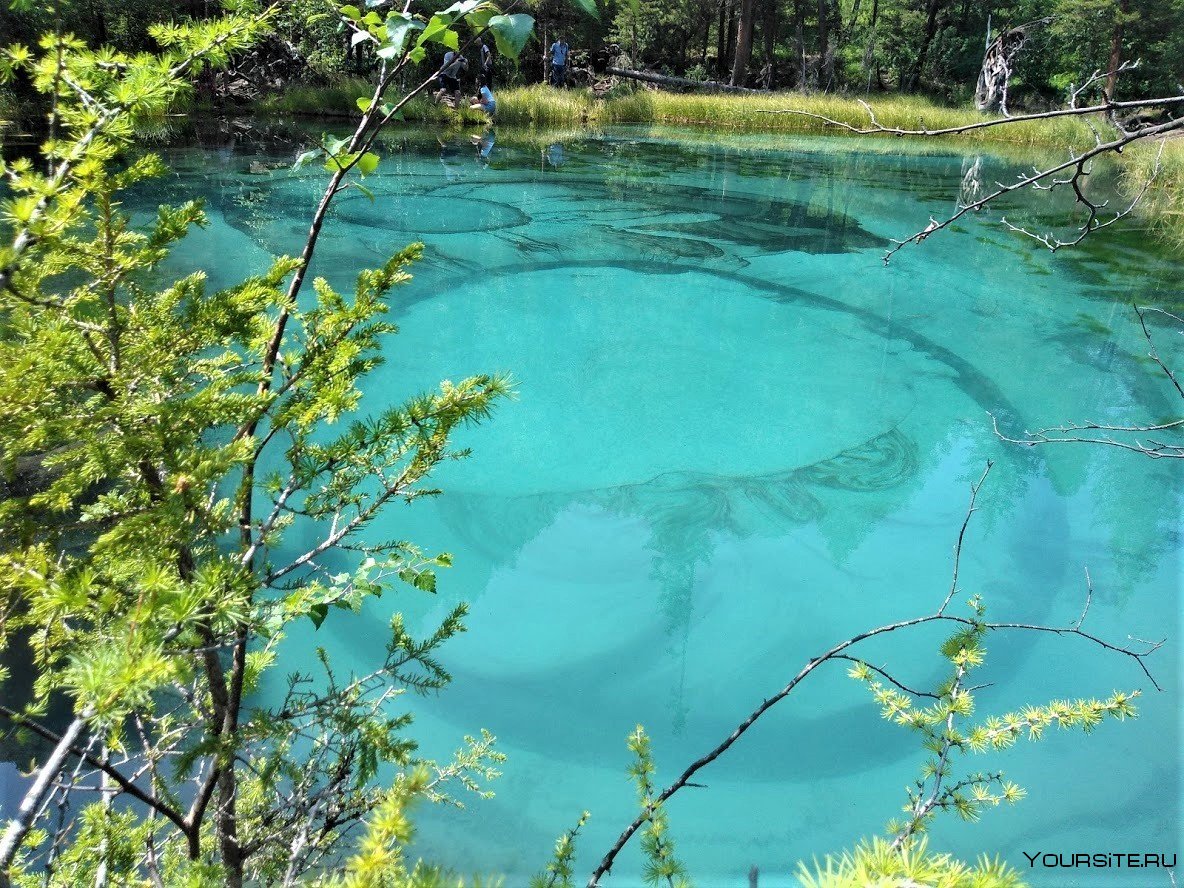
(1164, 202)
(542, 106)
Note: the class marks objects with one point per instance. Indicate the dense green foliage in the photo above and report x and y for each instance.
(159, 440)
(902, 45)
(866, 46)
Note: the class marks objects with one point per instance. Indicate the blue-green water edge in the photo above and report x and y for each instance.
(739, 438)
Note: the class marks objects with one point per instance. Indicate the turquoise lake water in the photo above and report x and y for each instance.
(737, 439)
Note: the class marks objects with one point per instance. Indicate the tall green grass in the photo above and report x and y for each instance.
(1164, 201)
(331, 100)
(542, 106)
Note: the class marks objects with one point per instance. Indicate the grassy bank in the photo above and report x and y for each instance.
(542, 106)
(1164, 202)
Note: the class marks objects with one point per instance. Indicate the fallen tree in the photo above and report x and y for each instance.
(681, 82)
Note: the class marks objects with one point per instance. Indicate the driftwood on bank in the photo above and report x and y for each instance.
(680, 82)
(991, 91)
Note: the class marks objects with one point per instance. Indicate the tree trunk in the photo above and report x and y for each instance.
(991, 92)
(1116, 49)
(769, 39)
(679, 82)
(743, 44)
(825, 66)
(799, 42)
(721, 36)
(870, 50)
(933, 7)
(730, 43)
(848, 27)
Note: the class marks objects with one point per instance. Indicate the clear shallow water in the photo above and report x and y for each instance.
(739, 438)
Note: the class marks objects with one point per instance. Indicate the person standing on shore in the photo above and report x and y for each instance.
(486, 64)
(559, 62)
(450, 76)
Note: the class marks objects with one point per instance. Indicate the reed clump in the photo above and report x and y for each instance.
(542, 106)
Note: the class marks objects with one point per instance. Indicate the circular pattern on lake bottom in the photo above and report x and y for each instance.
(430, 214)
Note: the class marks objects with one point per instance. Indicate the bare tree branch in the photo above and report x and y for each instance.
(1078, 161)
(970, 510)
(36, 796)
(878, 129)
(1111, 435)
(1064, 434)
(125, 785)
(1154, 354)
(1093, 223)
(1139, 655)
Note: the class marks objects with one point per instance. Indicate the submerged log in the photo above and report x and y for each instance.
(681, 82)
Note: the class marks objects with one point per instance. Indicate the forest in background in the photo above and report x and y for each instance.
(930, 47)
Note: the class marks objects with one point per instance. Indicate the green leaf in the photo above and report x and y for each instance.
(511, 32)
(305, 158)
(479, 19)
(368, 163)
(359, 37)
(317, 614)
(366, 191)
(463, 8)
(351, 12)
(340, 161)
(421, 579)
(399, 26)
(439, 30)
(364, 103)
(589, 6)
